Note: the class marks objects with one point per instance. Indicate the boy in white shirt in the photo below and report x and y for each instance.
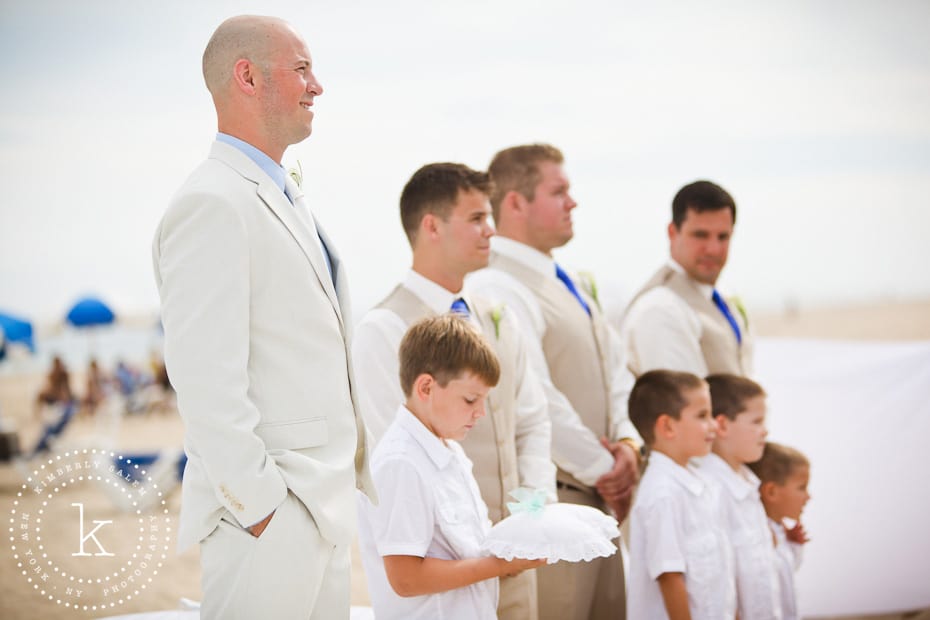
(785, 474)
(680, 560)
(421, 545)
(738, 404)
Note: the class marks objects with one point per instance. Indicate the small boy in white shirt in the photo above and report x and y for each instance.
(739, 410)
(785, 474)
(421, 545)
(680, 560)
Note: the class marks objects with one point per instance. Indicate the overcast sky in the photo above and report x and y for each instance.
(815, 115)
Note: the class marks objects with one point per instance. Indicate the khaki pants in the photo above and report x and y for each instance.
(518, 597)
(593, 590)
(287, 572)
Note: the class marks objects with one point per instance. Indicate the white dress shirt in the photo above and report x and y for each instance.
(663, 331)
(429, 507)
(748, 530)
(787, 561)
(575, 448)
(676, 527)
(375, 344)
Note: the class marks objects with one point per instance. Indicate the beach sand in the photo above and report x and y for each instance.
(179, 576)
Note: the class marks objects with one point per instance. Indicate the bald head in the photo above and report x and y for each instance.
(245, 36)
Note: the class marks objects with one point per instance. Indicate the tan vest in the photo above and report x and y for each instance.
(491, 444)
(721, 351)
(576, 347)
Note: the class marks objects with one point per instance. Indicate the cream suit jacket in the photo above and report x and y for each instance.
(256, 346)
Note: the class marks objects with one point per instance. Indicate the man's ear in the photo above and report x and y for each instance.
(723, 425)
(244, 76)
(429, 226)
(514, 204)
(672, 231)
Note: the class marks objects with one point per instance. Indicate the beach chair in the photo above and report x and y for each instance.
(53, 431)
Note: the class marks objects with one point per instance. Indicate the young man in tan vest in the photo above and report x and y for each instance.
(444, 210)
(576, 357)
(678, 320)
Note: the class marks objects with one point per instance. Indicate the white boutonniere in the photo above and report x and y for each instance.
(497, 313)
(297, 174)
(586, 279)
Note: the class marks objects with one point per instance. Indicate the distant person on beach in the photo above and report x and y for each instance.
(95, 390)
(253, 305)
(678, 320)
(57, 388)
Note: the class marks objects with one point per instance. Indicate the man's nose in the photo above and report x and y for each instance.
(314, 86)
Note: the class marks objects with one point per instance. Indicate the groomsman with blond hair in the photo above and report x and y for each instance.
(679, 320)
(444, 211)
(575, 354)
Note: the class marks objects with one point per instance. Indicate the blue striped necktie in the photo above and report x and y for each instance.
(722, 305)
(460, 307)
(561, 275)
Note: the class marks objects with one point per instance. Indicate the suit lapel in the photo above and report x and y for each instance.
(295, 218)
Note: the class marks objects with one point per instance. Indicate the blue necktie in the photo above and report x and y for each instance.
(561, 275)
(722, 305)
(460, 307)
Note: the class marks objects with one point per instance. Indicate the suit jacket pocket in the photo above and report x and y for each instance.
(294, 434)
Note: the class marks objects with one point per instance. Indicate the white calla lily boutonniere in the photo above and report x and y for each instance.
(497, 314)
(589, 284)
(297, 174)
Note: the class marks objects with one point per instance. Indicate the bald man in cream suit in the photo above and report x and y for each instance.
(256, 344)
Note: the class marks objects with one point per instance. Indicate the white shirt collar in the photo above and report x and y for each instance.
(685, 476)
(739, 486)
(437, 451)
(524, 254)
(706, 289)
(436, 297)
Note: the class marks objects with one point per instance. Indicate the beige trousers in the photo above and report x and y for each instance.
(289, 572)
(593, 590)
(518, 597)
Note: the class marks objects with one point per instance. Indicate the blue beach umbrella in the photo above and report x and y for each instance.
(17, 330)
(90, 312)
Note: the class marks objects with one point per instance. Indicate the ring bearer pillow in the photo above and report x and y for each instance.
(556, 532)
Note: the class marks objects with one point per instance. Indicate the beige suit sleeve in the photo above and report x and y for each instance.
(201, 254)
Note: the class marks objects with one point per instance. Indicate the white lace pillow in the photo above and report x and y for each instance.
(556, 532)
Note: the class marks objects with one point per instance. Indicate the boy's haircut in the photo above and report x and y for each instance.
(657, 392)
(517, 169)
(434, 188)
(778, 462)
(700, 196)
(729, 393)
(445, 347)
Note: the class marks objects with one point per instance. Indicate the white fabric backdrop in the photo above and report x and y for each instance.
(861, 413)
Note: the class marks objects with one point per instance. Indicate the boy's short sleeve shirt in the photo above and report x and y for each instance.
(429, 506)
(676, 528)
(787, 561)
(747, 528)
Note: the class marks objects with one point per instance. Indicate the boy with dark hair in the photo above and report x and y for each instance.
(738, 405)
(680, 560)
(421, 544)
(785, 474)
